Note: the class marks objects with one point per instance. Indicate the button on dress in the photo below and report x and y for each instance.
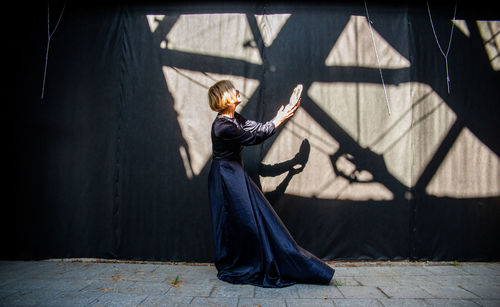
(252, 245)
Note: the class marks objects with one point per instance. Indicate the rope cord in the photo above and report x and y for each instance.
(49, 36)
(445, 55)
(378, 60)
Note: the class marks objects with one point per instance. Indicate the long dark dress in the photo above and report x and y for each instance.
(252, 245)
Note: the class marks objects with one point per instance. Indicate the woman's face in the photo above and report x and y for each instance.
(238, 97)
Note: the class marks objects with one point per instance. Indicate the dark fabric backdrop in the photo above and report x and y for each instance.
(94, 168)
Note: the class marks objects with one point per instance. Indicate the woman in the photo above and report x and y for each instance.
(252, 245)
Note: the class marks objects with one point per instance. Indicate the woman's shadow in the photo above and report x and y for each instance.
(292, 166)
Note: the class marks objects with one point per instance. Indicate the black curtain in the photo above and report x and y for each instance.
(94, 168)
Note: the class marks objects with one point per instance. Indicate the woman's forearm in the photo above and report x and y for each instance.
(276, 121)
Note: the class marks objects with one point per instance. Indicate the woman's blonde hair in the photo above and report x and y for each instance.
(221, 95)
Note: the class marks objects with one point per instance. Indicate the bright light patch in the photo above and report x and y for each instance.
(419, 116)
(462, 26)
(490, 32)
(189, 90)
(318, 178)
(186, 162)
(154, 21)
(470, 170)
(270, 26)
(354, 47)
(220, 35)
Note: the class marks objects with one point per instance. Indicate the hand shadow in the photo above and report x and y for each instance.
(292, 166)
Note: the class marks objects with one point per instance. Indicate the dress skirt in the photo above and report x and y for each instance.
(252, 245)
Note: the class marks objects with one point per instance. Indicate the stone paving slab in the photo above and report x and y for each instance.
(318, 291)
(163, 300)
(114, 283)
(488, 303)
(417, 280)
(347, 271)
(214, 301)
(411, 270)
(451, 302)
(484, 280)
(346, 281)
(449, 292)
(263, 302)
(404, 302)
(405, 292)
(118, 299)
(357, 302)
(25, 297)
(233, 291)
(287, 292)
(361, 292)
(375, 281)
(314, 302)
(487, 291)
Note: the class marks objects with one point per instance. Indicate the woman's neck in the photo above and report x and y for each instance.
(229, 112)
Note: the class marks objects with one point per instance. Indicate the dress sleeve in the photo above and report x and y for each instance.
(250, 132)
(253, 126)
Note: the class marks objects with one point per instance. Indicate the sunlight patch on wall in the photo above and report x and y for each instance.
(270, 26)
(490, 32)
(186, 161)
(154, 21)
(432, 119)
(319, 178)
(221, 35)
(469, 170)
(407, 139)
(354, 47)
(340, 102)
(462, 26)
(189, 91)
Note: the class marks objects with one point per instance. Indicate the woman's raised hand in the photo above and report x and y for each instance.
(295, 97)
(285, 112)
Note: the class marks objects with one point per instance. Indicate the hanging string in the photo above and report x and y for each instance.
(378, 60)
(445, 55)
(49, 36)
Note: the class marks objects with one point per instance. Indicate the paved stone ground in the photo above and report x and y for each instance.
(93, 282)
